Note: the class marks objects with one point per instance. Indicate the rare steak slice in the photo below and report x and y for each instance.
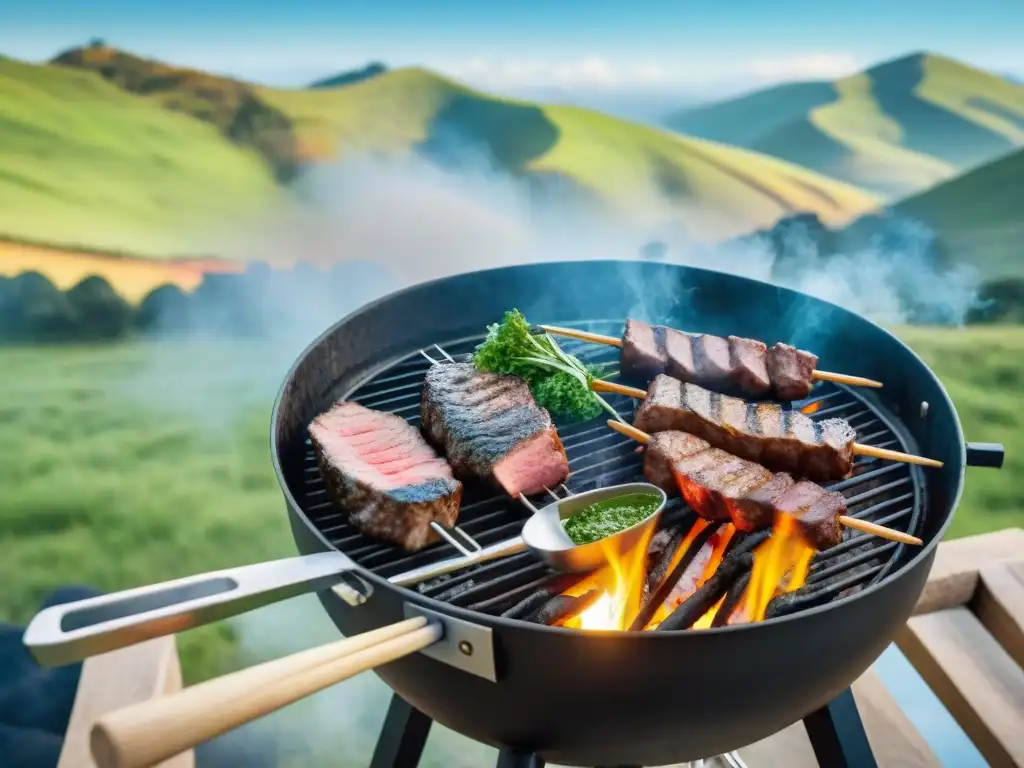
(490, 428)
(384, 475)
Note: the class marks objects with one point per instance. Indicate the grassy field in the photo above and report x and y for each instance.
(132, 464)
(83, 163)
(896, 128)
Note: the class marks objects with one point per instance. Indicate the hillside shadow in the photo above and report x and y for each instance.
(1014, 118)
(470, 131)
(803, 143)
(747, 120)
(927, 128)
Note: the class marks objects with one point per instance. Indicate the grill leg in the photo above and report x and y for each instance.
(510, 759)
(403, 736)
(837, 734)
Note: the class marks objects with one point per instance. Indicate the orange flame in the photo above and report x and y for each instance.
(686, 586)
(811, 408)
(622, 584)
(780, 565)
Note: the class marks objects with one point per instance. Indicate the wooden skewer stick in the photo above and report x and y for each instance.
(850, 522)
(599, 385)
(611, 341)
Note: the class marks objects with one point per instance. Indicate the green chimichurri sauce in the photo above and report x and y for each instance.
(603, 518)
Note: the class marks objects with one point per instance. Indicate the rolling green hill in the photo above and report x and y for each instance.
(650, 175)
(896, 128)
(113, 150)
(84, 163)
(979, 215)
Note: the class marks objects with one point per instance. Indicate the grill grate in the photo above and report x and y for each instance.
(882, 492)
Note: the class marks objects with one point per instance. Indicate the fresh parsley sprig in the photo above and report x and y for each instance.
(559, 381)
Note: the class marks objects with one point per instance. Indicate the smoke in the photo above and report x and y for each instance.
(371, 225)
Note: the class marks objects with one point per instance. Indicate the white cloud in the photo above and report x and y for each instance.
(804, 66)
(596, 72)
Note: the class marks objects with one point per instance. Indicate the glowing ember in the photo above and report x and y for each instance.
(780, 565)
(701, 568)
(811, 407)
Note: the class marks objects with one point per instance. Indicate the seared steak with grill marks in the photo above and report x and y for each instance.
(720, 486)
(781, 440)
(490, 427)
(382, 473)
(729, 364)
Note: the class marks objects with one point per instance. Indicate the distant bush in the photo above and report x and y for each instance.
(166, 308)
(1000, 301)
(34, 309)
(99, 312)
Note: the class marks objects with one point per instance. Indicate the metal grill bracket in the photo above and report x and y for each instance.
(465, 645)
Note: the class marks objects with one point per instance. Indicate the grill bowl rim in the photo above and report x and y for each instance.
(410, 595)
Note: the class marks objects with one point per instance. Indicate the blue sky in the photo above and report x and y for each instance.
(523, 44)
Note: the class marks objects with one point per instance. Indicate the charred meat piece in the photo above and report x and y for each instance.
(790, 370)
(381, 471)
(782, 440)
(490, 428)
(730, 364)
(719, 486)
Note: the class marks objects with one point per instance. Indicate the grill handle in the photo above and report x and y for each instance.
(153, 731)
(73, 631)
(985, 455)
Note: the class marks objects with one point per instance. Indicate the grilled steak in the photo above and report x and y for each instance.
(720, 486)
(490, 428)
(381, 471)
(781, 440)
(790, 370)
(731, 364)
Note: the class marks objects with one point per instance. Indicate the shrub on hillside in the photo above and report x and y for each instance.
(99, 311)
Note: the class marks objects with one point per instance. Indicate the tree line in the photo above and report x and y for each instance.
(257, 302)
(261, 302)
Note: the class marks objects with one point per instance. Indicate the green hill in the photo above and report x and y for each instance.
(84, 163)
(979, 215)
(650, 175)
(896, 128)
(111, 150)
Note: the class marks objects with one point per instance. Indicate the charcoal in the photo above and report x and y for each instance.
(709, 593)
(561, 608)
(528, 605)
(649, 608)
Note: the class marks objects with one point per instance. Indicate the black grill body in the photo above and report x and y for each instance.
(629, 698)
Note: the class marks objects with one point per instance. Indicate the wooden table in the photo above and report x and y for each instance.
(966, 640)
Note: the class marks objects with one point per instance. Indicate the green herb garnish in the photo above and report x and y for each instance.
(558, 381)
(603, 518)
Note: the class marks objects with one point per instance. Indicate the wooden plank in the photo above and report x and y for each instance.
(999, 604)
(974, 677)
(894, 740)
(954, 575)
(117, 679)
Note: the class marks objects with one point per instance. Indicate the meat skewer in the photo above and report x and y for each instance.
(378, 468)
(490, 428)
(732, 364)
(782, 440)
(719, 486)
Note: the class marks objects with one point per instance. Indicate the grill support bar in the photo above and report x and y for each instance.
(838, 736)
(836, 733)
(403, 736)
